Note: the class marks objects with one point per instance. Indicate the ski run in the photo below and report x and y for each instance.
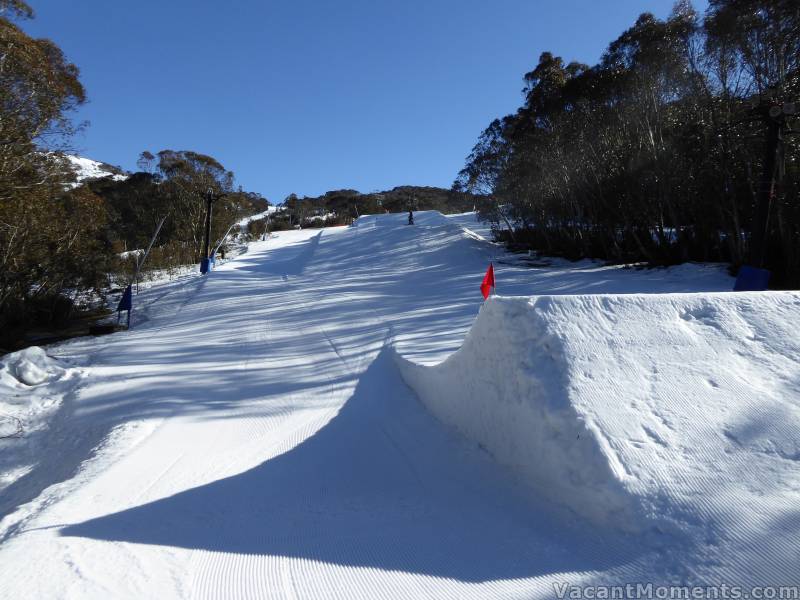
(336, 413)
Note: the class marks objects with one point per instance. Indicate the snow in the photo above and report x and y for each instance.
(31, 366)
(86, 168)
(129, 253)
(470, 223)
(270, 211)
(253, 436)
(323, 217)
(32, 385)
(636, 411)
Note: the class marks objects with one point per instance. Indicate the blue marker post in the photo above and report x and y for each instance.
(208, 264)
(126, 303)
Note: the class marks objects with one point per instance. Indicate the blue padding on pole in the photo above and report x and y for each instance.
(751, 279)
(204, 265)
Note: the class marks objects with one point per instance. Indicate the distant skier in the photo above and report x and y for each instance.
(410, 217)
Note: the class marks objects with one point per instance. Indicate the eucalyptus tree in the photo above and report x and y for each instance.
(679, 144)
(38, 90)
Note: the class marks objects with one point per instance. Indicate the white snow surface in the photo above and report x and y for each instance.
(271, 210)
(253, 436)
(30, 366)
(32, 386)
(86, 168)
(673, 414)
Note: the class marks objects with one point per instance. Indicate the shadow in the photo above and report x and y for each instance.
(291, 260)
(381, 485)
(167, 320)
(58, 465)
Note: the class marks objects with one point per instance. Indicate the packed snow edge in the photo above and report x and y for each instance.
(568, 392)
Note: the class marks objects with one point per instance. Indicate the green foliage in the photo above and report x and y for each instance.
(661, 152)
(58, 241)
(44, 231)
(177, 187)
(15, 8)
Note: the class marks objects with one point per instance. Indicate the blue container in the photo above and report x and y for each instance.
(751, 279)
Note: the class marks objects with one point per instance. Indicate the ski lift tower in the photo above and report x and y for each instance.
(205, 261)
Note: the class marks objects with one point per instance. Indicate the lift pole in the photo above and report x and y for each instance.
(206, 258)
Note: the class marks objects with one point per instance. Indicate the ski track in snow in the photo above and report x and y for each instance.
(252, 437)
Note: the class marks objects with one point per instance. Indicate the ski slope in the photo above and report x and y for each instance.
(253, 436)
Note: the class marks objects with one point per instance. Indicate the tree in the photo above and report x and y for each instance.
(756, 47)
(187, 177)
(146, 161)
(38, 90)
(678, 145)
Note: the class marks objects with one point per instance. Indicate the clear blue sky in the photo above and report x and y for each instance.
(307, 96)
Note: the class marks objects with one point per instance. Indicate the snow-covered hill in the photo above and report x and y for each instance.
(86, 168)
(253, 436)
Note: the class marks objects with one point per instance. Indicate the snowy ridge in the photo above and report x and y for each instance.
(678, 411)
(86, 168)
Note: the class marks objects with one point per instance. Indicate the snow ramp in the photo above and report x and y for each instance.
(641, 411)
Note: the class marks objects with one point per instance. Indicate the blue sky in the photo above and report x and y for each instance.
(306, 96)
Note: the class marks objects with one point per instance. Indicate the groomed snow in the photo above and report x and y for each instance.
(252, 436)
(668, 415)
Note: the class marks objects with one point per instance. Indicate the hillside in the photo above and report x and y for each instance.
(336, 414)
(86, 169)
(352, 203)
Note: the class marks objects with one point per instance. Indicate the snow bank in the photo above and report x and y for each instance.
(32, 387)
(631, 409)
(25, 396)
(31, 366)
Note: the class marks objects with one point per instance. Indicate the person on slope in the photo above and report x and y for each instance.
(410, 217)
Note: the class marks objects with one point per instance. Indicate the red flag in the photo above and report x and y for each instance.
(488, 282)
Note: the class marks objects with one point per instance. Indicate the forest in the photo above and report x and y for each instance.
(679, 145)
(62, 241)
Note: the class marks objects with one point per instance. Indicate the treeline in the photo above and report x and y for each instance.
(175, 185)
(679, 145)
(60, 240)
(341, 207)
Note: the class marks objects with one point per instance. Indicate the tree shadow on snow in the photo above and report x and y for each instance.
(289, 260)
(382, 485)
